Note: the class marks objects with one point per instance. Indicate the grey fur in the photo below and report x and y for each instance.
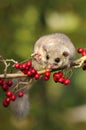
(54, 45)
(20, 107)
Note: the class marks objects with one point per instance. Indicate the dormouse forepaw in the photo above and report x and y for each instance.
(36, 56)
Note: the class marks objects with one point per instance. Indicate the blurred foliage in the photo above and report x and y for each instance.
(22, 22)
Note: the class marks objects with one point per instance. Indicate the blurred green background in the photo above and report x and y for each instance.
(52, 106)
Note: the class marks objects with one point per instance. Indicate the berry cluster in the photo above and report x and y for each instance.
(57, 77)
(47, 75)
(10, 96)
(82, 51)
(27, 69)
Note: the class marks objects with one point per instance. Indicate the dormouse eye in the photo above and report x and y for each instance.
(57, 60)
(47, 57)
(65, 53)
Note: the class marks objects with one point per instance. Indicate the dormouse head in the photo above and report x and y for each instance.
(56, 57)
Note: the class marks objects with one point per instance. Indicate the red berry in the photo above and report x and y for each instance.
(61, 80)
(85, 61)
(55, 79)
(20, 67)
(84, 53)
(46, 78)
(33, 72)
(20, 93)
(13, 97)
(28, 63)
(37, 76)
(25, 71)
(47, 73)
(9, 83)
(5, 104)
(80, 50)
(29, 74)
(5, 87)
(60, 74)
(57, 76)
(8, 100)
(17, 66)
(1, 81)
(9, 93)
(84, 67)
(66, 81)
(4, 82)
(24, 66)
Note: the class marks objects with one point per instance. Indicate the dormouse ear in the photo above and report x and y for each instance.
(44, 48)
(65, 53)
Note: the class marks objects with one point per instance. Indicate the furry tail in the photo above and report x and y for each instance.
(20, 107)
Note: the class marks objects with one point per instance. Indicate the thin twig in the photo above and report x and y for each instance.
(19, 87)
(13, 75)
(6, 64)
(11, 60)
(79, 62)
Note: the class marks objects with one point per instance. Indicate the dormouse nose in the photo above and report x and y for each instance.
(57, 60)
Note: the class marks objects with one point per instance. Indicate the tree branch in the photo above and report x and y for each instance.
(19, 75)
(76, 64)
